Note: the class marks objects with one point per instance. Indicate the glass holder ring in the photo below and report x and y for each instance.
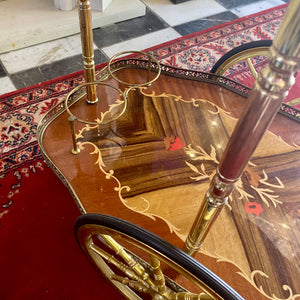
(100, 82)
(134, 85)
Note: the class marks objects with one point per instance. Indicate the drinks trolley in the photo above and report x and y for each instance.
(188, 182)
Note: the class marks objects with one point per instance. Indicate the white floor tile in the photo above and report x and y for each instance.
(6, 85)
(255, 7)
(41, 54)
(143, 42)
(30, 22)
(175, 14)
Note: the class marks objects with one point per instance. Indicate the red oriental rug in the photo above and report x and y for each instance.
(39, 258)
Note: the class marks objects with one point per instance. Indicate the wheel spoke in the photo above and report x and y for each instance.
(252, 69)
(130, 261)
(132, 284)
(190, 296)
(158, 275)
(112, 260)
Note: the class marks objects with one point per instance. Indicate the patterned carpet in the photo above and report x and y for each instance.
(38, 253)
(200, 51)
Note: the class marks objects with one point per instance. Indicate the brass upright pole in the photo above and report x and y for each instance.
(85, 20)
(263, 103)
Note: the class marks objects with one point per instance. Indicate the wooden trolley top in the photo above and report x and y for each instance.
(151, 165)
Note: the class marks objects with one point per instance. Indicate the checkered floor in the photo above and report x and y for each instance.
(162, 22)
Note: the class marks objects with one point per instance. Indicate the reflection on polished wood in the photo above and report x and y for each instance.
(152, 166)
(265, 99)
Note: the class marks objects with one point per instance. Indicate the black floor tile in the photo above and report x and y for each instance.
(69, 65)
(229, 4)
(122, 31)
(99, 57)
(27, 78)
(54, 70)
(62, 67)
(202, 24)
(179, 1)
(2, 71)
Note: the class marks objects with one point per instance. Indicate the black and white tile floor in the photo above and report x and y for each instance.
(162, 22)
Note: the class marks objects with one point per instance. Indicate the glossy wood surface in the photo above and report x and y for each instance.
(152, 165)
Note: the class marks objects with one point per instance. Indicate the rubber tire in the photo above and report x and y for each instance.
(162, 246)
(240, 49)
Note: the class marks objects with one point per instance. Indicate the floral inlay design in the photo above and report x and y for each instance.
(265, 190)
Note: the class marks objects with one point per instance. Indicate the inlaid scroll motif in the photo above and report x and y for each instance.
(251, 278)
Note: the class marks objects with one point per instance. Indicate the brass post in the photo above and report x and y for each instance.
(86, 31)
(263, 103)
(149, 65)
(212, 204)
(75, 149)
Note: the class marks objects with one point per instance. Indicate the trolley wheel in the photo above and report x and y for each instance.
(141, 265)
(242, 54)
